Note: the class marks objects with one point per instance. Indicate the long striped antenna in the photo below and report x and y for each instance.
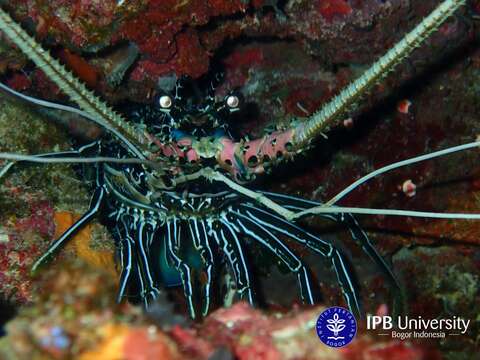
(328, 116)
(74, 88)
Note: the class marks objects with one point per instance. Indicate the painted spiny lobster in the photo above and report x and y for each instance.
(172, 182)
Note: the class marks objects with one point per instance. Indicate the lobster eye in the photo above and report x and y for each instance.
(165, 102)
(232, 101)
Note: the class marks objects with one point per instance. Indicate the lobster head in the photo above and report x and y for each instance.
(193, 127)
(188, 111)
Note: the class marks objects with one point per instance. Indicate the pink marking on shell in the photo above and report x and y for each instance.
(253, 154)
(271, 145)
(240, 159)
(165, 149)
(186, 141)
(226, 157)
(192, 155)
(170, 150)
(180, 149)
(227, 154)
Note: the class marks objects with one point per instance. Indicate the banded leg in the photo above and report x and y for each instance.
(126, 258)
(358, 235)
(227, 239)
(144, 237)
(141, 281)
(173, 245)
(93, 209)
(265, 237)
(201, 242)
(319, 246)
(362, 239)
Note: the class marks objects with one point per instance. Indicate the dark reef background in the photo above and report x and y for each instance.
(287, 57)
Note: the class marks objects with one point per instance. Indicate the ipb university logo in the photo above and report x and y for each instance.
(336, 326)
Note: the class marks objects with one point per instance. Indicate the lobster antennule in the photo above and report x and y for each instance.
(74, 88)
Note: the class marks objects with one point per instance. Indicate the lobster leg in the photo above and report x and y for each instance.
(126, 259)
(270, 241)
(173, 244)
(142, 285)
(94, 207)
(266, 219)
(227, 239)
(143, 237)
(201, 243)
(358, 235)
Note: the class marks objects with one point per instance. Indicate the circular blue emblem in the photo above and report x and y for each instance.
(336, 327)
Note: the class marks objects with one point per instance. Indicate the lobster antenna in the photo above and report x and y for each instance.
(73, 87)
(388, 212)
(290, 215)
(71, 160)
(322, 120)
(399, 164)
